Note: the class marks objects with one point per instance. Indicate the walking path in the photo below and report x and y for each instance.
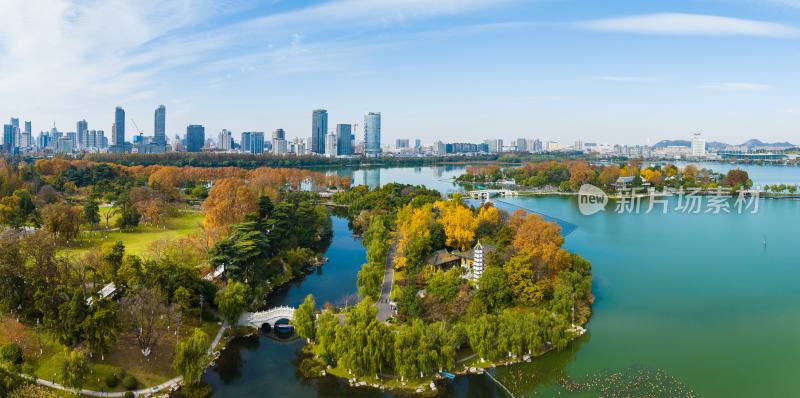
(165, 386)
(384, 308)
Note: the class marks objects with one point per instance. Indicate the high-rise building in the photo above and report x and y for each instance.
(279, 146)
(522, 145)
(119, 127)
(160, 126)
(82, 133)
(28, 127)
(319, 129)
(372, 134)
(245, 141)
(195, 137)
(330, 145)
(401, 143)
(552, 146)
(579, 145)
(225, 140)
(344, 135)
(537, 145)
(698, 146)
(257, 142)
(417, 144)
(8, 138)
(495, 145)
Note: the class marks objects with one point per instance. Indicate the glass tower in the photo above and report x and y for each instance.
(160, 129)
(344, 133)
(119, 126)
(319, 129)
(372, 134)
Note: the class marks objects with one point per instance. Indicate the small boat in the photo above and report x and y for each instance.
(448, 375)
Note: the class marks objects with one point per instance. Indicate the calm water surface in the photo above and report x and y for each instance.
(699, 298)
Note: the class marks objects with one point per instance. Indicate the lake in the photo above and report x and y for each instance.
(684, 302)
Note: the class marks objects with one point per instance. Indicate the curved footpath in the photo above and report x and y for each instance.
(384, 308)
(165, 386)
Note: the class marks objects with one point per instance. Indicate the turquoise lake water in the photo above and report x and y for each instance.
(694, 300)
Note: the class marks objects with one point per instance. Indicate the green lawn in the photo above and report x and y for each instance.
(138, 240)
(45, 355)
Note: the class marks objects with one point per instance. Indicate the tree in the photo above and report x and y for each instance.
(91, 212)
(233, 300)
(101, 327)
(129, 216)
(191, 356)
(147, 315)
(183, 297)
(62, 220)
(459, 224)
(493, 287)
(32, 391)
(11, 353)
(303, 321)
(74, 369)
(109, 214)
(534, 231)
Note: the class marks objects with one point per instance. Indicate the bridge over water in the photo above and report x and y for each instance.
(268, 317)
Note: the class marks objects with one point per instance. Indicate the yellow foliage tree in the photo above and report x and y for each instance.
(459, 224)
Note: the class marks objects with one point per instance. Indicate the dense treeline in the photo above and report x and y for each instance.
(244, 160)
(569, 175)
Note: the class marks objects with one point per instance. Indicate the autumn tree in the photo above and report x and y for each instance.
(148, 316)
(75, 369)
(62, 220)
(228, 201)
(459, 224)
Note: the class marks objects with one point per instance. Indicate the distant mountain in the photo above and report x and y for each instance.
(666, 143)
(716, 145)
(758, 143)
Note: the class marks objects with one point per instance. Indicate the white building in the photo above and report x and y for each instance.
(698, 146)
(552, 146)
(225, 139)
(330, 145)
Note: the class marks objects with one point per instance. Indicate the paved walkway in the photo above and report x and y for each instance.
(165, 386)
(384, 308)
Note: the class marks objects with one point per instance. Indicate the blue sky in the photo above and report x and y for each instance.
(603, 71)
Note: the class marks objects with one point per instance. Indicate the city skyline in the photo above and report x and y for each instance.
(635, 72)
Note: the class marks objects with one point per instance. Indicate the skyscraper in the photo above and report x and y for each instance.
(245, 141)
(330, 145)
(522, 145)
(160, 128)
(28, 127)
(195, 137)
(119, 126)
(224, 140)
(344, 133)
(698, 146)
(279, 146)
(257, 142)
(372, 134)
(319, 129)
(83, 133)
(8, 138)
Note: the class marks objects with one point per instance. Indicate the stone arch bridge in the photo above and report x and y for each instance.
(268, 317)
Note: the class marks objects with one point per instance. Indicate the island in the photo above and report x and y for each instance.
(448, 288)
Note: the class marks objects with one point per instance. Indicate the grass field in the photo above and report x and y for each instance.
(138, 240)
(45, 355)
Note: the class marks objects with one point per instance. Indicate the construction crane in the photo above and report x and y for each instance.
(138, 130)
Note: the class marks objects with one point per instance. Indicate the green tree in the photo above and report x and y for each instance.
(74, 369)
(493, 287)
(101, 327)
(191, 356)
(303, 320)
(233, 300)
(183, 297)
(91, 212)
(325, 347)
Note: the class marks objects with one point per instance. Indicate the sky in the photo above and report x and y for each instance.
(605, 71)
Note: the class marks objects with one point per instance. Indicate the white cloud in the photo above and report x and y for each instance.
(735, 86)
(689, 24)
(64, 57)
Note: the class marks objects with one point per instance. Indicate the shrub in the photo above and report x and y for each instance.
(129, 382)
(112, 380)
(129, 394)
(11, 353)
